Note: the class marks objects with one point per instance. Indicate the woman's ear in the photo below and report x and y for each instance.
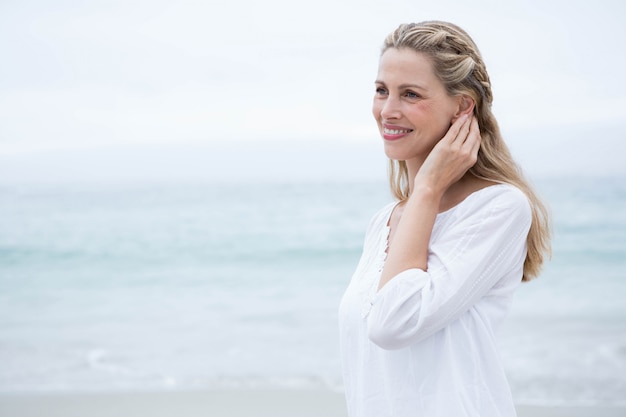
(466, 106)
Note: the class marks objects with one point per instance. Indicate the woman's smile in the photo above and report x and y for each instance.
(392, 132)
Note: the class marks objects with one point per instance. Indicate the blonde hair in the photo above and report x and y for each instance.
(460, 67)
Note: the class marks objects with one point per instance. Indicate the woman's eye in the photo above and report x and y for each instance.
(411, 94)
(380, 91)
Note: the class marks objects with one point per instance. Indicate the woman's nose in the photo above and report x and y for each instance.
(390, 109)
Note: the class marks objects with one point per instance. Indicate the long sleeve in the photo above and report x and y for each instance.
(475, 251)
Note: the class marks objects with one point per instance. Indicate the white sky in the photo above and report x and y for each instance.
(197, 88)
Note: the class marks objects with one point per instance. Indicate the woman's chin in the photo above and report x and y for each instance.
(394, 154)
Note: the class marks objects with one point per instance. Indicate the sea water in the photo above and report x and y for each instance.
(201, 285)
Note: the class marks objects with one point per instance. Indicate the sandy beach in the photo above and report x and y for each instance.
(222, 403)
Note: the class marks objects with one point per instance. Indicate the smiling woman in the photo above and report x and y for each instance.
(407, 86)
(440, 266)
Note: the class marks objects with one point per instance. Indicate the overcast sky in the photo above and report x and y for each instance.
(123, 88)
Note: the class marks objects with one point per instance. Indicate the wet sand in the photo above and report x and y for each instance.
(222, 403)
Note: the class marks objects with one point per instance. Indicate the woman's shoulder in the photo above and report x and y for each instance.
(502, 192)
(507, 195)
(496, 209)
(497, 196)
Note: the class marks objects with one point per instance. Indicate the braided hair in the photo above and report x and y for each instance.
(458, 64)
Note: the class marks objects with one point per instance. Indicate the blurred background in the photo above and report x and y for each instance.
(184, 188)
(119, 90)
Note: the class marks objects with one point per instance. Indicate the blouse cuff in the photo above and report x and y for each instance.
(413, 279)
(408, 281)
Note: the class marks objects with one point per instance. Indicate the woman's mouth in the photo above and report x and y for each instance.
(393, 133)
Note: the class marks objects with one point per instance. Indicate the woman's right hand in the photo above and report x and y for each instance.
(449, 160)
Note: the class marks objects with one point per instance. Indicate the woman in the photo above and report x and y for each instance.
(439, 267)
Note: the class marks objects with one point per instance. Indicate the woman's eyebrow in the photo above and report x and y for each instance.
(416, 86)
(403, 86)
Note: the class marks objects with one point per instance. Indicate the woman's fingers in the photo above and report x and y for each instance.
(458, 130)
(462, 152)
(472, 141)
(453, 155)
(458, 149)
(464, 132)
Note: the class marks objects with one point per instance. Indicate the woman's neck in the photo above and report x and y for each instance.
(456, 193)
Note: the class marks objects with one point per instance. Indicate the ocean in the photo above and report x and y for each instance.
(120, 287)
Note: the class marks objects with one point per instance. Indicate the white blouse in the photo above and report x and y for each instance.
(425, 345)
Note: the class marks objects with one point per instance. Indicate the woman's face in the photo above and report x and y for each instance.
(411, 105)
